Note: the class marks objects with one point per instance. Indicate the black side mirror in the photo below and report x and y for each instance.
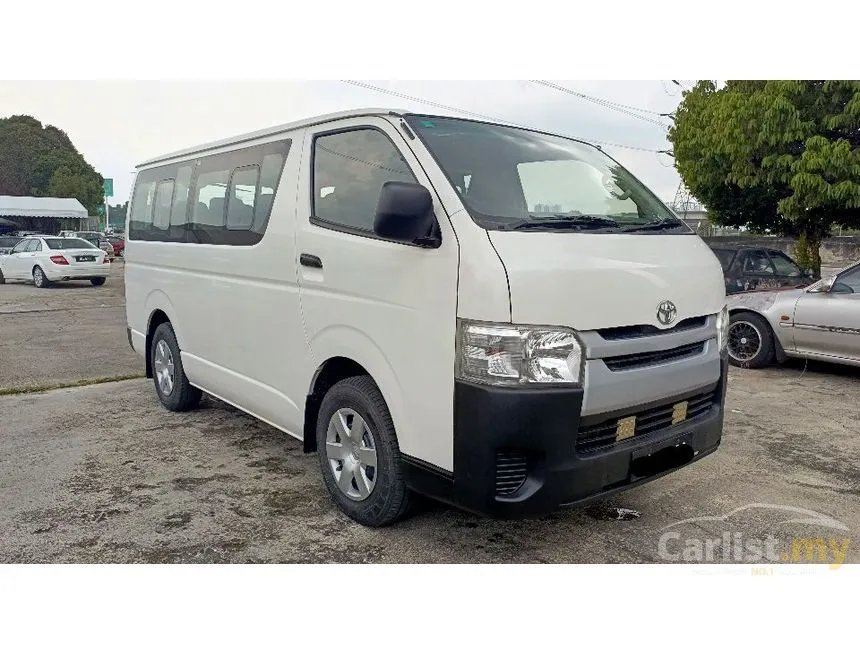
(404, 213)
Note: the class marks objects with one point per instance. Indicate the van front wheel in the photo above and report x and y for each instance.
(359, 454)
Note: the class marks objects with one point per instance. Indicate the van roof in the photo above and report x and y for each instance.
(277, 129)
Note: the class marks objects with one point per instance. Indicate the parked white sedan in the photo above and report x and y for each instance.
(47, 259)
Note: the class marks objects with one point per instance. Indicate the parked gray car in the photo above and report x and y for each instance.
(821, 321)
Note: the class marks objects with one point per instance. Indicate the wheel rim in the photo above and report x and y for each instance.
(351, 454)
(163, 365)
(38, 277)
(744, 341)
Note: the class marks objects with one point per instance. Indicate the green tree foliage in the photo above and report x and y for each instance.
(42, 162)
(775, 156)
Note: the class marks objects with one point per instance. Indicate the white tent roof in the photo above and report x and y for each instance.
(60, 207)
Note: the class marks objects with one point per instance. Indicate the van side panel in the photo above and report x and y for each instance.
(235, 310)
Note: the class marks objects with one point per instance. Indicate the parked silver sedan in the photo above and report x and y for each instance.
(820, 322)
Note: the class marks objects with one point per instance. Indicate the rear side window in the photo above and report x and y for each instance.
(243, 198)
(207, 218)
(223, 199)
(140, 219)
(349, 170)
(163, 199)
(179, 208)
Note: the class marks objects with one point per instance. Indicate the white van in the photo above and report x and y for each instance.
(496, 317)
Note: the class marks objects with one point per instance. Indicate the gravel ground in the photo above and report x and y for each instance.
(103, 473)
(67, 333)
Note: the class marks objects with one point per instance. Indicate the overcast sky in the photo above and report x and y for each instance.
(118, 124)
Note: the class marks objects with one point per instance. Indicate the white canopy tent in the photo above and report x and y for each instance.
(42, 214)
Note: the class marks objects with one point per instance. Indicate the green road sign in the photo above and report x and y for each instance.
(108, 185)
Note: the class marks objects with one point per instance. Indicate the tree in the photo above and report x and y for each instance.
(42, 162)
(775, 156)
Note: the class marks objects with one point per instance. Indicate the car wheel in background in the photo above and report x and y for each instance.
(39, 278)
(750, 342)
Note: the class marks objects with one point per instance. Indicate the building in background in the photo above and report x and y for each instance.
(48, 215)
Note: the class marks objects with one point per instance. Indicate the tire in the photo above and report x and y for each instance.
(180, 395)
(97, 282)
(388, 500)
(39, 278)
(2, 277)
(745, 330)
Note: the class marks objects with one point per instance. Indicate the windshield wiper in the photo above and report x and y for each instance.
(669, 222)
(562, 221)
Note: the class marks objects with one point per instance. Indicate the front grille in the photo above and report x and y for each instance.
(648, 359)
(643, 331)
(604, 435)
(511, 472)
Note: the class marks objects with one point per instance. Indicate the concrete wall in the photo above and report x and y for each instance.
(835, 251)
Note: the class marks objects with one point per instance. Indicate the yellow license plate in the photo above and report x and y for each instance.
(625, 428)
(679, 412)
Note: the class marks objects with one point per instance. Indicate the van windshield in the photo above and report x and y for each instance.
(515, 179)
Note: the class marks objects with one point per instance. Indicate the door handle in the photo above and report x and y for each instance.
(310, 261)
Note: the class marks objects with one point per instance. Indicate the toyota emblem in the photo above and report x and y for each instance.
(666, 312)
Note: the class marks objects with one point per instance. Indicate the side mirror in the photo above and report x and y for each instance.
(825, 286)
(404, 213)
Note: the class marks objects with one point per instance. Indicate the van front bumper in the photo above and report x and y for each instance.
(516, 452)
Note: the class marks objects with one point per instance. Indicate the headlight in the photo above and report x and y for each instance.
(723, 327)
(498, 354)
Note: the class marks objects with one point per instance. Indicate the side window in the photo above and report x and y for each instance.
(140, 220)
(784, 266)
(270, 176)
(178, 211)
(207, 218)
(163, 199)
(757, 262)
(243, 197)
(35, 245)
(20, 246)
(850, 279)
(349, 170)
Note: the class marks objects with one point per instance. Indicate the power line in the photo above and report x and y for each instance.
(486, 117)
(629, 110)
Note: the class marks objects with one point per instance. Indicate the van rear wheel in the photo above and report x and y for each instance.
(359, 454)
(171, 384)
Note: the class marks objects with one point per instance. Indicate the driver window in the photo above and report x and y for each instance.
(849, 279)
(20, 246)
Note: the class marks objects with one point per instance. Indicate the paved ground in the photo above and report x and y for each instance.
(135, 483)
(64, 334)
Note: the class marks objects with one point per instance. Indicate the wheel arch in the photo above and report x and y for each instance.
(331, 371)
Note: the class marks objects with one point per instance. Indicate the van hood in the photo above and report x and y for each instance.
(593, 281)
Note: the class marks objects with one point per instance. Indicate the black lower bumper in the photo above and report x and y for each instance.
(516, 453)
